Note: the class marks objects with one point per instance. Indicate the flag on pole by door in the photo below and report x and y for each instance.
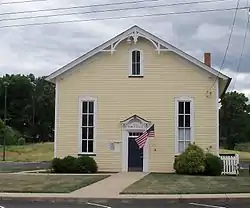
(141, 140)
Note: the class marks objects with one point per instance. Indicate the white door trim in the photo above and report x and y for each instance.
(125, 152)
(135, 124)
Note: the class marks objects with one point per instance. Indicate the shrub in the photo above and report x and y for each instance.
(21, 141)
(65, 165)
(176, 163)
(12, 136)
(191, 161)
(56, 165)
(86, 164)
(69, 164)
(214, 165)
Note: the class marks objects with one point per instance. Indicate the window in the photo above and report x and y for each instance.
(136, 63)
(184, 124)
(134, 134)
(87, 126)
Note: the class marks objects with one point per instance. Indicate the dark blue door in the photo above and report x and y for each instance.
(135, 156)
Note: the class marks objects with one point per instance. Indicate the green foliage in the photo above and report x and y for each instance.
(21, 141)
(57, 165)
(70, 164)
(214, 165)
(12, 136)
(244, 147)
(86, 164)
(65, 165)
(191, 161)
(234, 119)
(2, 127)
(30, 106)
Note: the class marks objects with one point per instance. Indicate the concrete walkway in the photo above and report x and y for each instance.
(109, 187)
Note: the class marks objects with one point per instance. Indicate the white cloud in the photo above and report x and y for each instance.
(43, 49)
(240, 82)
(215, 32)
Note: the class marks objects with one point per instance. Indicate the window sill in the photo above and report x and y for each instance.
(135, 76)
(86, 154)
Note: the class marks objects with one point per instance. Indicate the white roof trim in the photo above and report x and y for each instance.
(135, 31)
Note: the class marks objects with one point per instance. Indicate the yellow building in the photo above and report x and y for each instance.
(110, 95)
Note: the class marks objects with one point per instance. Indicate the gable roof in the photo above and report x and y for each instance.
(136, 31)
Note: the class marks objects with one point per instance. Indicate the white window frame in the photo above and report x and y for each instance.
(81, 100)
(141, 63)
(177, 100)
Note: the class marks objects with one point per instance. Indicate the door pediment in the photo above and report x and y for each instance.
(134, 123)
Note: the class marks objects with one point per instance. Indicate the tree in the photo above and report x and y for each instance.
(234, 118)
(45, 105)
(2, 127)
(30, 105)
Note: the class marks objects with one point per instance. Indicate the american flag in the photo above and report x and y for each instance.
(141, 140)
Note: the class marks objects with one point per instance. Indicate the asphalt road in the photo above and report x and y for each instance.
(132, 203)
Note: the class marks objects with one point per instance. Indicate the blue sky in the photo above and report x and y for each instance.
(43, 49)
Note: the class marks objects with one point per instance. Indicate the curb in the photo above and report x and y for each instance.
(59, 174)
(80, 199)
(45, 199)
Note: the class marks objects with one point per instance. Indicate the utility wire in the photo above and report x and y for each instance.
(229, 41)
(123, 17)
(112, 10)
(79, 7)
(242, 49)
(20, 2)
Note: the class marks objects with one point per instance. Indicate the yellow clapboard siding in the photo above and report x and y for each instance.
(105, 76)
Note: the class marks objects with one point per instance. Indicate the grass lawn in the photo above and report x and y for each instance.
(30, 152)
(161, 183)
(244, 156)
(13, 169)
(46, 183)
(44, 152)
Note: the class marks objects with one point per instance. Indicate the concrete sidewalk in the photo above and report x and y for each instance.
(109, 187)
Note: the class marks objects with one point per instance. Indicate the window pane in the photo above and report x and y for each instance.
(84, 145)
(133, 56)
(187, 107)
(181, 134)
(188, 134)
(84, 120)
(134, 68)
(181, 107)
(187, 121)
(84, 107)
(90, 145)
(91, 120)
(138, 68)
(181, 121)
(91, 133)
(138, 57)
(180, 146)
(84, 133)
(91, 107)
